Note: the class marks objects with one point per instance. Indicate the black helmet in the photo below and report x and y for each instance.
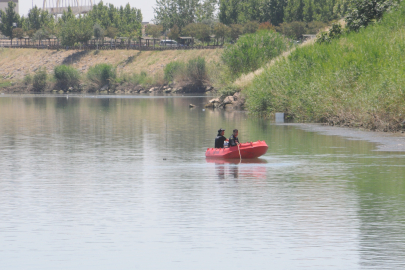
(220, 130)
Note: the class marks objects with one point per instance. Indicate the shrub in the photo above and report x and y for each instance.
(102, 74)
(193, 72)
(254, 50)
(334, 32)
(39, 79)
(172, 70)
(27, 79)
(293, 30)
(314, 27)
(267, 26)
(66, 76)
(235, 31)
(250, 27)
(196, 71)
(138, 79)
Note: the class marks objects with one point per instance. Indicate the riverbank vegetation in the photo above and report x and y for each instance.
(354, 80)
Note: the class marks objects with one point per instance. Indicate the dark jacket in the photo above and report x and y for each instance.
(233, 140)
(219, 141)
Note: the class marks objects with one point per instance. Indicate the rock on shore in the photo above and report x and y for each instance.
(236, 101)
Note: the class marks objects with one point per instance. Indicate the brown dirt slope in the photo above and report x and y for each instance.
(16, 63)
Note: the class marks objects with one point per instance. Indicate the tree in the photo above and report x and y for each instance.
(294, 30)
(273, 11)
(40, 34)
(235, 31)
(294, 11)
(190, 30)
(112, 32)
(67, 16)
(18, 33)
(182, 12)
(202, 32)
(9, 19)
(154, 30)
(266, 26)
(308, 11)
(205, 10)
(229, 11)
(76, 30)
(34, 20)
(98, 32)
(221, 31)
(127, 20)
(250, 27)
(363, 12)
(174, 33)
(84, 29)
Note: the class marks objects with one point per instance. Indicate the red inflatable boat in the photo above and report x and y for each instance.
(247, 150)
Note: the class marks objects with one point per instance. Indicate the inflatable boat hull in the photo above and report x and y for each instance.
(247, 150)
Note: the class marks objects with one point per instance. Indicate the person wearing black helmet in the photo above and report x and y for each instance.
(234, 140)
(220, 139)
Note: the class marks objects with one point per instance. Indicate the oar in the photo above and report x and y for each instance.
(240, 157)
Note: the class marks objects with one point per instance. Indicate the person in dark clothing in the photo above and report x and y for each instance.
(234, 140)
(220, 139)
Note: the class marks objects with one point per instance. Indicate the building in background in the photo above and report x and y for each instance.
(4, 4)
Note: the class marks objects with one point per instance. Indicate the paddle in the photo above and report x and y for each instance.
(240, 157)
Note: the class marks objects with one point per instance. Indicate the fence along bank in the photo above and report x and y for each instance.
(123, 43)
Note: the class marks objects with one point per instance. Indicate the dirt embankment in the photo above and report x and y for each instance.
(15, 64)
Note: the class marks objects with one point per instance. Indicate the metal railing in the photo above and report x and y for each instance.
(54, 45)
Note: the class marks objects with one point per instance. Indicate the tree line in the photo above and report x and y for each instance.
(181, 13)
(102, 21)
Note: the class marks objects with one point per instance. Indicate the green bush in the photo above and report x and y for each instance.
(102, 74)
(27, 79)
(138, 79)
(196, 71)
(66, 76)
(173, 69)
(334, 32)
(252, 51)
(39, 79)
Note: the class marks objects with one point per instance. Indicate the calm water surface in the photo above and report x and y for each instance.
(122, 183)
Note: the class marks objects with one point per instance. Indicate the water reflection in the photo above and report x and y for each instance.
(232, 168)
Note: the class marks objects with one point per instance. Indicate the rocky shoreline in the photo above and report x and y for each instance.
(125, 88)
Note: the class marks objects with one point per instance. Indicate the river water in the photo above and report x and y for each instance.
(119, 182)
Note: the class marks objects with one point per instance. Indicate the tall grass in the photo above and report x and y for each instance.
(196, 70)
(102, 74)
(193, 72)
(142, 79)
(252, 51)
(66, 76)
(357, 80)
(173, 69)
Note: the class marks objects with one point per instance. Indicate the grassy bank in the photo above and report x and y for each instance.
(357, 80)
(139, 66)
(249, 53)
